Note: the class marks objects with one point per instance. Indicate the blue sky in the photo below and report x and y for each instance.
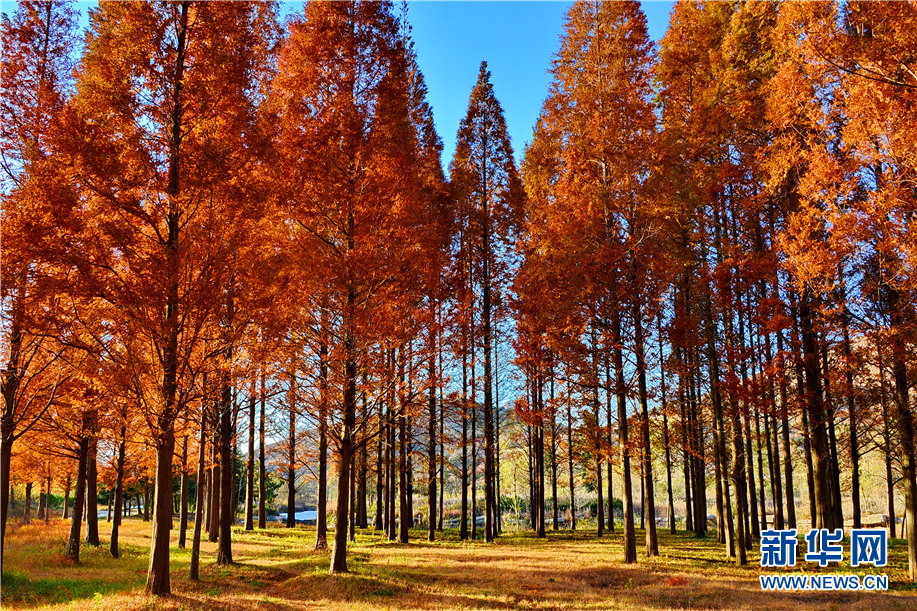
(518, 40)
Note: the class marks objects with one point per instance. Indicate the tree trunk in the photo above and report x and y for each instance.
(92, 491)
(904, 417)
(227, 492)
(291, 453)
(852, 419)
(380, 501)
(463, 532)
(630, 539)
(824, 516)
(213, 522)
(570, 462)
(649, 509)
(262, 472)
(345, 445)
(199, 500)
(27, 515)
(183, 493)
(670, 508)
(119, 489)
(555, 524)
(321, 521)
(431, 447)
(250, 467)
(73, 542)
(158, 574)
(404, 518)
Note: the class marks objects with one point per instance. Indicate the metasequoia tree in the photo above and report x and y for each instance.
(847, 231)
(36, 202)
(599, 114)
(157, 172)
(488, 197)
(349, 153)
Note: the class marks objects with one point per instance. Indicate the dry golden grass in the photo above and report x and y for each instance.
(277, 571)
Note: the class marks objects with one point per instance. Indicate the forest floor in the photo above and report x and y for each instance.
(277, 571)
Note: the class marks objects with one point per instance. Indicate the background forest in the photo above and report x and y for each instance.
(237, 279)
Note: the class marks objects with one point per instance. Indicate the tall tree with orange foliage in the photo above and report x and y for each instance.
(34, 79)
(489, 195)
(157, 172)
(600, 115)
(349, 151)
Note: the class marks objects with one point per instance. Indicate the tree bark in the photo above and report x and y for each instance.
(262, 471)
(227, 491)
(824, 516)
(345, 445)
(119, 489)
(250, 467)
(199, 500)
(570, 462)
(73, 542)
(630, 540)
(321, 521)
(92, 490)
(431, 445)
(183, 493)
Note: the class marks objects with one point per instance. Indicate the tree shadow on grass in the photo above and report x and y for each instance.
(18, 587)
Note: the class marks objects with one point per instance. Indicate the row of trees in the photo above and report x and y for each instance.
(208, 211)
(205, 203)
(746, 193)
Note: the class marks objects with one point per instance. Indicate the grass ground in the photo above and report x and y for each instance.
(277, 571)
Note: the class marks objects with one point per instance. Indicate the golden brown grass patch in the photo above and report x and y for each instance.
(277, 570)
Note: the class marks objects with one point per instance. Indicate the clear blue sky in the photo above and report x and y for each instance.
(517, 39)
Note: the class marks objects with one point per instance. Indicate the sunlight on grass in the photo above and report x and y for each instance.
(278, 569)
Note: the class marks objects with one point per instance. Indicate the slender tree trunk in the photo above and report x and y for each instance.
(824, 517)
(649, 509)
(431, 447)
(250, 467)
(73, 542)
(630, 540)
(608, 409)
(321, 522)
(213, 522)
(262, 472)
(686, 460)
(570, 462)
(905, 421)
(199, 496)
(463, 532)
(227, 496)
(404, 517)
(474, 441)
(345, 445)
(291, 456)
(392, 483)
(183, 493)
(834, 468)
(27, 514)
(380, 501)
(554, 509)
(352, 530)
(442, 440)
(785, 427)
(887, 442)
(670, 508)
(92, 490)
(67, 487)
